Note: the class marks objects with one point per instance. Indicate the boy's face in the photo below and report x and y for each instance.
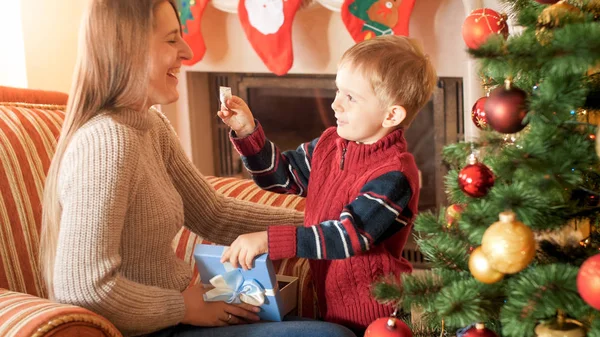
(359, 113)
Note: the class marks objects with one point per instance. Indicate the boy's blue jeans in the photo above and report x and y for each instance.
(290, 327)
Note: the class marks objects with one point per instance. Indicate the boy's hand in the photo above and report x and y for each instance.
(245, 248)
(237, 116)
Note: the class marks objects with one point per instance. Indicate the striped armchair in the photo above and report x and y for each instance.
(30, 123)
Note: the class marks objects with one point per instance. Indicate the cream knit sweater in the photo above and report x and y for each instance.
(126, 189)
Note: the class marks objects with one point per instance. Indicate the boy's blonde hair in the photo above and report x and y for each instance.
(399, 71)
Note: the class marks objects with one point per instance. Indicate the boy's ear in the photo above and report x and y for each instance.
(395, 115)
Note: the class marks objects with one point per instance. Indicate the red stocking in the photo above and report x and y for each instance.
(366, 19)
(268, 27)
(191, 13)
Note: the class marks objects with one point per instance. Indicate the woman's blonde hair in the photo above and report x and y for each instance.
(399, 71)
(111, 73)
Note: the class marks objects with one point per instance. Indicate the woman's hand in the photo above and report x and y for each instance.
(245, 248)
(201, 313)
(237, 115)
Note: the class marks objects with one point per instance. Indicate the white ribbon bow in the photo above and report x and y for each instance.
(231, 287)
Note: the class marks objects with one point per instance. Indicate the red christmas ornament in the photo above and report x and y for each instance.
(388, 327)
(475, 179)
(479, 330)
(588, 281)
(478, 113)
(482, 23)
(506, 108)
(546, 2)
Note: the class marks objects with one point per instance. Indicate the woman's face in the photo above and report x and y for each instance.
(167, 50)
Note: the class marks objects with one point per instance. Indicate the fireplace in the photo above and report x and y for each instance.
(297, 108)
(320, 38)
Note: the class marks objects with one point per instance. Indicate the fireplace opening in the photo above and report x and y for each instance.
(292, 116)
(297, 108)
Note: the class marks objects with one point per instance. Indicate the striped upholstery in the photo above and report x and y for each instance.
(27, 140)
(28, 134)
(26, 315)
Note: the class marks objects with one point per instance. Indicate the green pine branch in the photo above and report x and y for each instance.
(517, 6)
(594, 330)
(464, 302)
(537, 293)
(476, 218)
(445, 250)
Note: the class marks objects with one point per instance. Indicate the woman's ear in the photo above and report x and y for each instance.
(395, 115)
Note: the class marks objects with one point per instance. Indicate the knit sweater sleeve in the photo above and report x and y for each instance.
(379, 211)
(96, 183)
(211, 215)
(272, 170)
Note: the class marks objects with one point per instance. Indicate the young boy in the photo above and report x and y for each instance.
(360, 183)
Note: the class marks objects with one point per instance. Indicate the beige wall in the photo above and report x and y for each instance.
(12, 58)
(50, 36)
(50, 30)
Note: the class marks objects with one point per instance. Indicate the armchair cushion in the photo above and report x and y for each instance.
(32, 96)
(26, 315)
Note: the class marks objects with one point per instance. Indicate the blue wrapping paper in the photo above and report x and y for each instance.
(208, 262)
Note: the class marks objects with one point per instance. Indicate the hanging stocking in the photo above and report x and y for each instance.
(366, 19)
(190, 14)
(268, 26)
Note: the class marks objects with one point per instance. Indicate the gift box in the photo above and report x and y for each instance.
(275, 294)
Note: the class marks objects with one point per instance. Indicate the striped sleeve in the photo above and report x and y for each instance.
(379, 211)
(272, 170)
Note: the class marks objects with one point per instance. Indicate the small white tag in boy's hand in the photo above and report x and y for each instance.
(224, 95)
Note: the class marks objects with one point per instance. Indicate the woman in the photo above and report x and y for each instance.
(120, 188)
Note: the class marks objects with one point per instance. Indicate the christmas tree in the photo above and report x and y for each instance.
(518, 247)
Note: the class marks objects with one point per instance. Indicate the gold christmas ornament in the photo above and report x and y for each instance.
(558, 15)
(569, 235)
(508, 244)
(592, 6)
(591, 240)
(593, 70)
(585, 242)
(590, 116)
(598, 142)
(554, 16)
(560, 327)
(594, 75)
(481, 270)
